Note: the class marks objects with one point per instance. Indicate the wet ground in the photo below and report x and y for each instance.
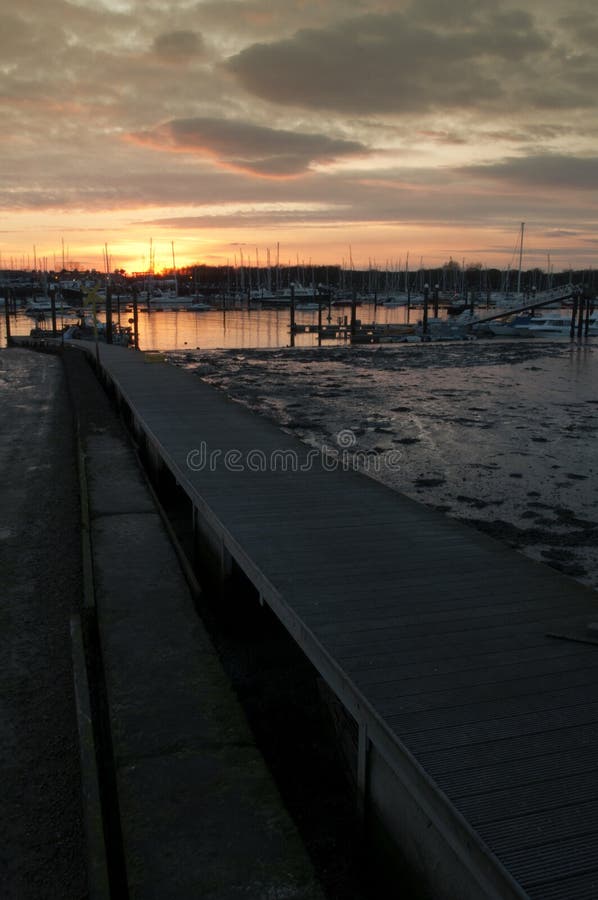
(42, 848)
(501, 434)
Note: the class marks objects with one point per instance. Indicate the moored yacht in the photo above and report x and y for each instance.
(539, 325)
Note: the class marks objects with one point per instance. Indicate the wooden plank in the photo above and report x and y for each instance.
(463, 679)
(543, 721)
(533, 769)
(485, 753)
(329, 621)
(553, 862)
(471, 667)
(539, 828)
(516, 693)
(482, 711)
(576, 887)
(494, 806)
(352, 645)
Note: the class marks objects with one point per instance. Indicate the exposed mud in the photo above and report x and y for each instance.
(478, 427)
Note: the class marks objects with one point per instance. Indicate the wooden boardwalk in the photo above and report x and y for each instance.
(433, 636)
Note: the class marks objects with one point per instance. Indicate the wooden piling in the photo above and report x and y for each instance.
(425, 318)
(589, 311)
(580, 315)
(573, 315)
(53, 308)
(135, 320)
(108, 314)
(319, 324)
(7, 319)
(292, 315)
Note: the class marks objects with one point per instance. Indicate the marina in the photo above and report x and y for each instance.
(204, 325)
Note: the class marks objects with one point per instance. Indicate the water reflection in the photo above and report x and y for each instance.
(225, 329)
(244, 328)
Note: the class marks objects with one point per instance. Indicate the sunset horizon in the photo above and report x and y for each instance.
(162, 256)
(369, 130)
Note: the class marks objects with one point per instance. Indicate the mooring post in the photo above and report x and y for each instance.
(292, 315)
(589, 311)
(353, 312)
(53, 307)
(580, 315)
(7, 318)
(435, 296)
(573, 315)
(135, 319)
(319, 324)
(425, 318)
(108, 314)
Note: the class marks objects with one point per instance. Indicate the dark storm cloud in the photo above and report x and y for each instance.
(391, 63)
(251, 148)
(177, 46)
(582, 24)
(549, 170)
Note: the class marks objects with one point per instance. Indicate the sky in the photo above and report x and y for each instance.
(340, 132)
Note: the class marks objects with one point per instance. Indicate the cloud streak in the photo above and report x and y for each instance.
(245, 147)
(363, 115)
(391, 63)
(551, 171)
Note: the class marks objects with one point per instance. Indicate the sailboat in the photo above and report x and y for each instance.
(507, 298)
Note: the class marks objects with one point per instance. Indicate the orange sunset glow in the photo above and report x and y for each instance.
(318, 131)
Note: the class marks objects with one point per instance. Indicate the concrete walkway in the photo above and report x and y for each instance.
(199, 813)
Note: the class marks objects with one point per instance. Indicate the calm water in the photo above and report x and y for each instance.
(238, 328)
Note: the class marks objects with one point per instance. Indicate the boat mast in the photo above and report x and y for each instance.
(520, 259)
(176, 281)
